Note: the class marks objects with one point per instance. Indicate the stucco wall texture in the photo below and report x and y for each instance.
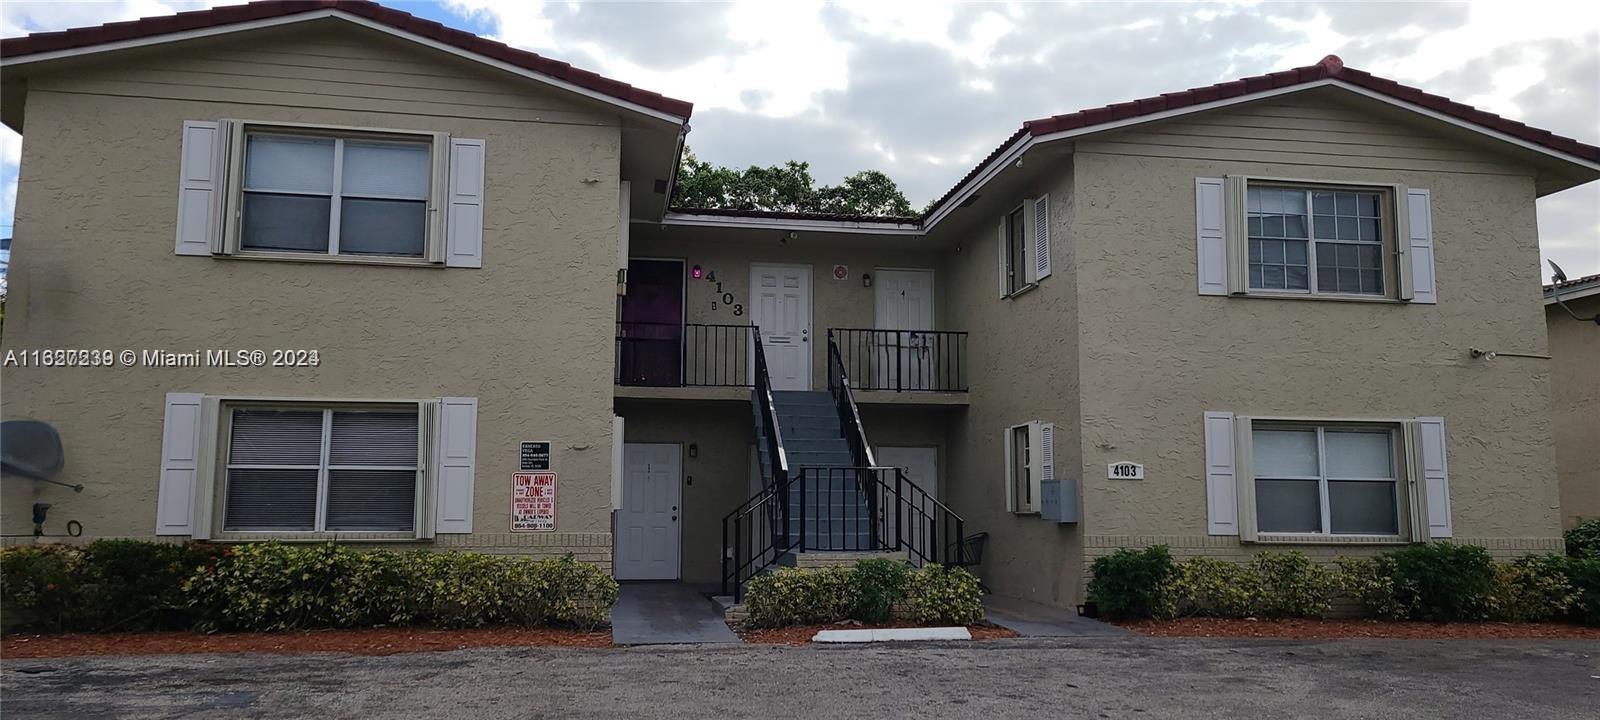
(1575, 387)
(526, 334)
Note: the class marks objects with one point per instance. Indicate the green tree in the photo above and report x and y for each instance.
(786, 188)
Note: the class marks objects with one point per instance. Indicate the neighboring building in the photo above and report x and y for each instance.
(1223, 319)
(1575, 389)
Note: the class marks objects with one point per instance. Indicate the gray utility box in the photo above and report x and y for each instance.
(1058, 500)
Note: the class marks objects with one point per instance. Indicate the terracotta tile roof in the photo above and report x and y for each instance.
(1330, 67)
(1586, 280)
(786, 215)
(267, 9)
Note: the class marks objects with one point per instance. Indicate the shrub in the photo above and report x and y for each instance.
(1583, 576)
(1438, 582)
(1533, 588)
(792, 596)
(137, 585)
(876, 584)
(940, 596)
(1214, 588)
(1133, 584)
(40, 586)
(271, 586)
(1290, 585)
(1584, 539)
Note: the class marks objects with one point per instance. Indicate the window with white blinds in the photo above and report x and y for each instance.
(322, 469)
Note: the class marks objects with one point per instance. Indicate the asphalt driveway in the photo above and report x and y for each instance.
(1033, 678)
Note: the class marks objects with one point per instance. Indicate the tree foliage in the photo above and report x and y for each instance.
(786, 188)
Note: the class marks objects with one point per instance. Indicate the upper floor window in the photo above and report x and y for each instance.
(335, 195)
(1016, 259)
(1318, 240)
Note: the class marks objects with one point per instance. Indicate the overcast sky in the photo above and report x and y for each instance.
(922, 91)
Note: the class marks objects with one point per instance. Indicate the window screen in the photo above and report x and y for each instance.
(348, 196)
(1313, 479)
(1315, 240)
(312, 470)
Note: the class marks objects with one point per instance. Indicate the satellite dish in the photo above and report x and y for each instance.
(31, 449)
(1556, 278)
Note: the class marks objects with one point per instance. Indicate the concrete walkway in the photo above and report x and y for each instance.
(666, 613)
(1030, 619)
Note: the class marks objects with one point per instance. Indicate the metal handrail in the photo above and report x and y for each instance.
(903, 360)
(850, 426)
(655, 354)
(733, 567)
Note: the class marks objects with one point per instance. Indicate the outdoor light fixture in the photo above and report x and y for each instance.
(866, 279)
(694, 450)
(696, 272)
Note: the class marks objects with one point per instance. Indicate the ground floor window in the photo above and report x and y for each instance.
(314, 469)
(1325, 479)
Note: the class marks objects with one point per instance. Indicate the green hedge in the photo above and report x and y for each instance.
(1583, 540)
(874, 591)
(116, 585)
(1438, 582)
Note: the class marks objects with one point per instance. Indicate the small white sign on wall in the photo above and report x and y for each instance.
(1125, 471)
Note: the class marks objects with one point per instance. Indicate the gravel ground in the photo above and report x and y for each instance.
(1023, 678)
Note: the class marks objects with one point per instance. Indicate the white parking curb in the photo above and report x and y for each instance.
(892, 635)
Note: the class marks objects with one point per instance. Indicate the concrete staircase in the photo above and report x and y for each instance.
(835, 511)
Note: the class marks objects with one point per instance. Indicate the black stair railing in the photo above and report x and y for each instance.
(903, 360)
(855, 508)
(756, 534)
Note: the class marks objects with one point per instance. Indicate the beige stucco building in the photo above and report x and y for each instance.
(1226, 319)
(1574, 324)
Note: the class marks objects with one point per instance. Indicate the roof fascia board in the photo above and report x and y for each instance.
(752, 223)
(364, 22)
(1027, 141)
(1577, 293)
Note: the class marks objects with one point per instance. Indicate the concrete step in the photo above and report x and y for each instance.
(810, 444)
(786, 398)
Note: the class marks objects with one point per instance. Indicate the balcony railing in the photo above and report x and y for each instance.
(903, 360)
(683, 355)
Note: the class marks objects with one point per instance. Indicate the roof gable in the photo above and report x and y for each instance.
(152, 30)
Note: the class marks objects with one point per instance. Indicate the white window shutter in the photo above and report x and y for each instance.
(1435, 477)
(1001, 244)
(1419, 247)
(1041, 460)
(1009, 474)
(464, 225)
(1222, 505)
(1041, 238)
(618, 445)
(199, 188)
(180, 464)
(457, 450)
(1211, 245)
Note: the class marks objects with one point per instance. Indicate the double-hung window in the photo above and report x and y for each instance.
(1030, 461)
(1319, 240)
(1326, 479)
(357, 194)
(296, 468)
(1016, 255)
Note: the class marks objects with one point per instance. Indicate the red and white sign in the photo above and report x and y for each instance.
(841, 272)
(533, 502)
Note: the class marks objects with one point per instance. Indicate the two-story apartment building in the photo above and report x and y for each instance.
(1223, 319)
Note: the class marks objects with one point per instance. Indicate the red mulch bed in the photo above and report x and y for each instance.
(1335, 629)
(802, 634)
(372, 641)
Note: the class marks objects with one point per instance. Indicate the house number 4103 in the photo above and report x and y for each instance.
(1125, 471)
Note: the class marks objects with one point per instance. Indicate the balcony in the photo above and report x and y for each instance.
(713, 362)
(903, 360)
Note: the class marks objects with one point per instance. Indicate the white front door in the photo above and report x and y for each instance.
(780, 298)
(922, 469)
(647, 541)
(904, 359)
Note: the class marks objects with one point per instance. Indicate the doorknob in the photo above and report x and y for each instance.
(674, 518)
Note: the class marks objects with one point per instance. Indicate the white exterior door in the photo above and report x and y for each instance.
(904, 359)
(780, 298)
(648, 541)
(922, 468)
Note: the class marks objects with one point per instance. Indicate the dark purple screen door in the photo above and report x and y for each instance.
(650, 351)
